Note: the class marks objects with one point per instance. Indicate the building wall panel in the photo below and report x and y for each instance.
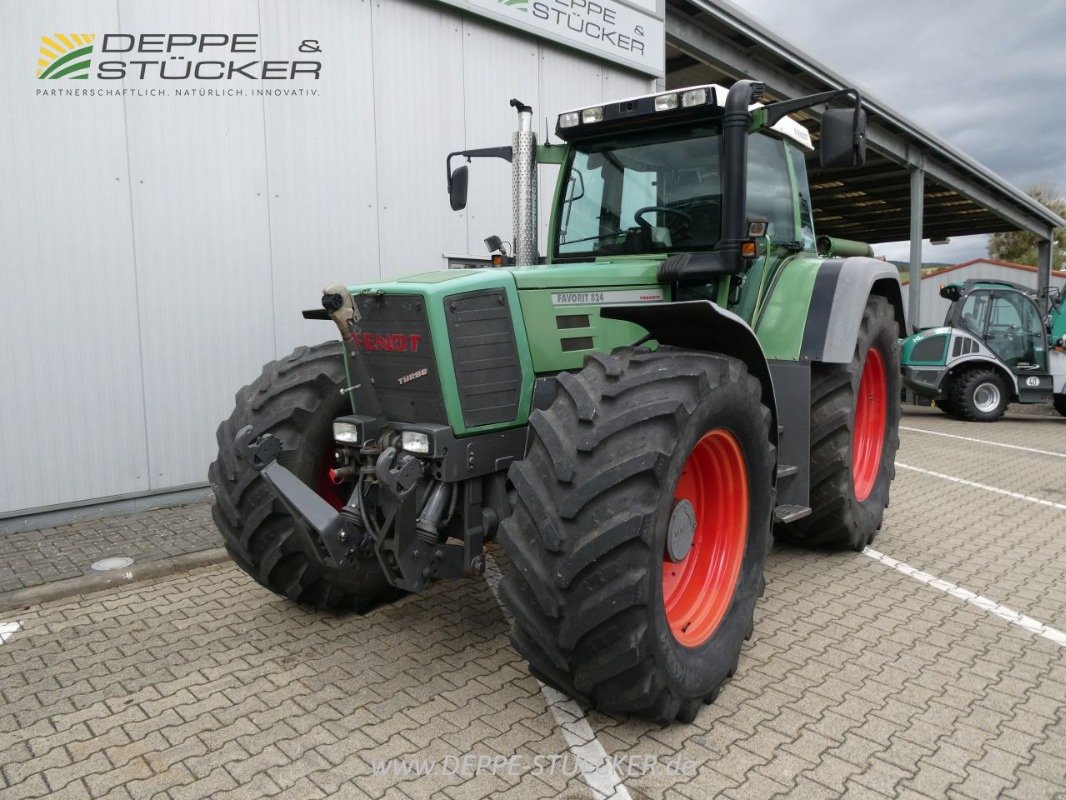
(496, 67)
(71, 407)
(198, 170)
(418, 111)
(156, 251)
(321, 164)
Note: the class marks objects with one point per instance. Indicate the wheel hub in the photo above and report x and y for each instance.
(681, 532)
(986, 397)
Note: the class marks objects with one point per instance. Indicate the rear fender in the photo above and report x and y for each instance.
(841, 289)
(704, 326)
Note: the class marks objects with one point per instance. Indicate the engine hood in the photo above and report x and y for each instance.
(602, 273)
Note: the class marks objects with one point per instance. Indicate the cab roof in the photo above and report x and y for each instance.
(615, 114)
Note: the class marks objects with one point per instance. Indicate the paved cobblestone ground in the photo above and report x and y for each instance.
(29, 558)
(859, 682)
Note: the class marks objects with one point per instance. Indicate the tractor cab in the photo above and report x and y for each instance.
(993, 349)
(1005, 317)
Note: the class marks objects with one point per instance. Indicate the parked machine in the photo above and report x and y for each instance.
(1000, 343)
(631, 415)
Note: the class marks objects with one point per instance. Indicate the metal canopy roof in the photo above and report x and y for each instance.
(714, 42)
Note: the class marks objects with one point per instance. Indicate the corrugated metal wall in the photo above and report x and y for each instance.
(156, 251)
(934, 307)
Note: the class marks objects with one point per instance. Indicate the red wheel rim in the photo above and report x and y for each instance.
(868, 438)
(698, 589)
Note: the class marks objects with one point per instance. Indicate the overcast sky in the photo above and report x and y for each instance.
(986, 76)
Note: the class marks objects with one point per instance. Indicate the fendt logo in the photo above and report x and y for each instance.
(388, 342)
(65, 55)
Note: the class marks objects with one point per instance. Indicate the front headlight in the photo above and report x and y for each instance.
(346, 433)
(415, 442)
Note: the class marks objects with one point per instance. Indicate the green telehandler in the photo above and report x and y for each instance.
(632, 416)
(1000, 343)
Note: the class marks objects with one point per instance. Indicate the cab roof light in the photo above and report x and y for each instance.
(594, 114)
(694, 97)
(666, 102)
(570, 119)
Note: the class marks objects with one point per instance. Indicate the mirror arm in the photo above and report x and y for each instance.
(775, 111)
(506, 153)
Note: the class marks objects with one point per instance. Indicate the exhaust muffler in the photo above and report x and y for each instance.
(524, 187)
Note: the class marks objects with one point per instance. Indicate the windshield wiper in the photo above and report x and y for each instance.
(597, 238)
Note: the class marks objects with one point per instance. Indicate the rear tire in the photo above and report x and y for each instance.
(979, 395)
(610, 463)
(296, 399)
(848, 502)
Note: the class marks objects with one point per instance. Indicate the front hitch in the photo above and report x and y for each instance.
(397, 472)
(407, 561)
(342, 538)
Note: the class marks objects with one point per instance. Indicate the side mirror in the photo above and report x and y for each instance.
(843, 138)
(950, 292)
(457, 184)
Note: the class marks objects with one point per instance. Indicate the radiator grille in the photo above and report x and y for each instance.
(393, 332)
(485, 355)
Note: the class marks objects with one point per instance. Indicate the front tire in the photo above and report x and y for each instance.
(855, 413)
(980, 395)
(296, 399)
(637, 445)
(945, 405)
(1060, 403)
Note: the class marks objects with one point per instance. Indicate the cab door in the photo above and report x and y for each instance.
(1016, 333)
(771, 194)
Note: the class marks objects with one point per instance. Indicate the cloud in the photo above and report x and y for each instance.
(983, 75)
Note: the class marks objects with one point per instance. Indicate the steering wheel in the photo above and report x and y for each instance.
(638, 215)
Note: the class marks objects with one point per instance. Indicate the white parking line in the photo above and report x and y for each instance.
(1001, 611)
(984, 441)
(8, 629)
(596, 766)
(986, 487)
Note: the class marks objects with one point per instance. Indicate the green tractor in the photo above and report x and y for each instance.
(993, 349)
(632, 416)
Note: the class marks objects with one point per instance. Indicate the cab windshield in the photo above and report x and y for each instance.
(651, 195)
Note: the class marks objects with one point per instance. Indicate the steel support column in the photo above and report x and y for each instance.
(1043, 265)
(914, 291)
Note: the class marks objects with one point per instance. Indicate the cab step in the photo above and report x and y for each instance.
(784, 470)
(787, 514)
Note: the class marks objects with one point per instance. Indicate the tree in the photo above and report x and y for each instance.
(1020, 246)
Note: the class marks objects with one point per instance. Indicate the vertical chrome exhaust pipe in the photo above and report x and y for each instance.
(524, 187)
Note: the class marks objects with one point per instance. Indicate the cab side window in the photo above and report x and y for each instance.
(770, 187)
(803, 192)
(973, 312)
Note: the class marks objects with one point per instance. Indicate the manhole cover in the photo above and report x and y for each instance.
(115, 562)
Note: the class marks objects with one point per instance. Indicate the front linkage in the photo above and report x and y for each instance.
(403, 508)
